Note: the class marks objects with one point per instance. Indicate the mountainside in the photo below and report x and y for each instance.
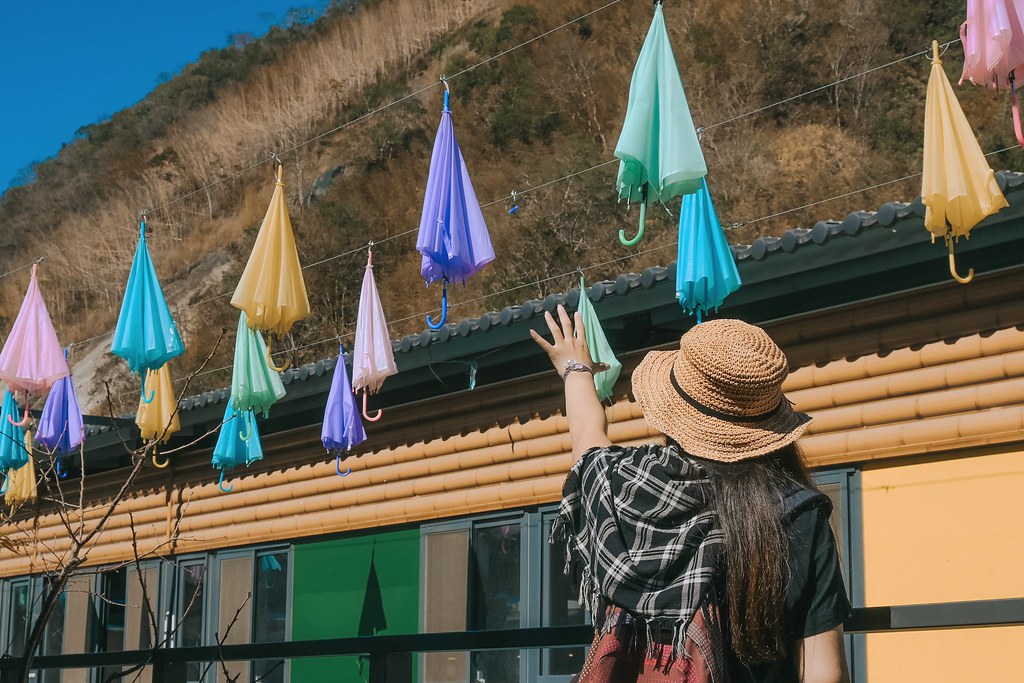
(195, 153)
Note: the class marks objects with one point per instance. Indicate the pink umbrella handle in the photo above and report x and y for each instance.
(1016, 112)
(24, 420)
(366, 416)
(337, 466)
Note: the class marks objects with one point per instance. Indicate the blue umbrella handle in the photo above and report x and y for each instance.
(220, 484)
(61, 473)
(444, 310)
(640, 233)
(152, 392)
(7, 481)
(366, 415)
(337, 466)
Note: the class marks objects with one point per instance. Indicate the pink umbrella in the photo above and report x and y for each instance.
(373, 359)
(32, 359)
(993, 41)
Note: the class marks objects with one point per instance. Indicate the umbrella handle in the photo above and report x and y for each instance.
(152, 392)
(220, 484)
(1016, 111)
(952, 265)
(24, 420)
(640, 233)
(270, 363)
(61, 473)
(444, 310)
(7, 481)
(245, 437)
(366, 416)
(156, 461)
(337, 466)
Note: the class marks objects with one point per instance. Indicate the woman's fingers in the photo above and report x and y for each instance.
(556, 334)
(565, 322)
(542, 342)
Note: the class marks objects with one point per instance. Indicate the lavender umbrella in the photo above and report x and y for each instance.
(61, 428)
(453, 238)
(342, 427)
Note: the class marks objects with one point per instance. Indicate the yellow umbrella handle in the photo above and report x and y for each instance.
(952, 265)
(270, 363)
(156, 459)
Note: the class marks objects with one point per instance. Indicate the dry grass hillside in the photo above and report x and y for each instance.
(197, 148)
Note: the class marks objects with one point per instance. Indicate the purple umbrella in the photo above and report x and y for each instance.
(342, 427)
(453, 238)
(61, 428)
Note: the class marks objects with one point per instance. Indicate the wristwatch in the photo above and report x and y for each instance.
(575, 366)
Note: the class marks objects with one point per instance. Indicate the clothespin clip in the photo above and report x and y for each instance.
(512, 205)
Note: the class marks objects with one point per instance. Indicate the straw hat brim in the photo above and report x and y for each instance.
(704, 435)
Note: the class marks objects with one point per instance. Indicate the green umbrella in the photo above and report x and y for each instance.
(600, 351)
(658, 148)
(254, 385)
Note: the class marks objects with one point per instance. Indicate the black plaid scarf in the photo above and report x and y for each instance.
(641, 529)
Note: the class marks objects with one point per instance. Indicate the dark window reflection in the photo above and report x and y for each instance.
(495, 562)
(270, 610)
(190, 623)
(106, 622)
(561, 607)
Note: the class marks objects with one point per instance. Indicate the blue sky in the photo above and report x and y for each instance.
(69, 63)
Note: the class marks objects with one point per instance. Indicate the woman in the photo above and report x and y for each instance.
(709, 558)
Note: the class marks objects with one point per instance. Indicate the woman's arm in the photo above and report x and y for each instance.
(821, 658)
(588, 426)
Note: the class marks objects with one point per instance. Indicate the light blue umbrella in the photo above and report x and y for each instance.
(343, 427)
(658, 147)
(705, 270)
(146, 335)
(237, 444)
(13, 454)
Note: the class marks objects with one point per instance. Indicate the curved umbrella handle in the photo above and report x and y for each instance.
(61, 473)
(952, 265)
(152, 392)
(156, 461)
(640, 232)
(366, 416)
(1016, 112)
(7, 481)
(248, 435)
(270, 363)
(337, 466)
(220, 484)
(24, 420)
(444, 310)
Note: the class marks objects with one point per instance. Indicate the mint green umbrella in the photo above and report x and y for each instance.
(600, 350)
(658, 147)
(254, 385)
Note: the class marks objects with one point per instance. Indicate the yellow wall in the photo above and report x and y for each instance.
(944, 530)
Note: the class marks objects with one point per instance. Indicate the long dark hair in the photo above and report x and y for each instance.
(748, 496)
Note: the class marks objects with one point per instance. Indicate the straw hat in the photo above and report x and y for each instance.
(720, 395)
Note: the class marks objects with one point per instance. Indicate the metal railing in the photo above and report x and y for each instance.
(168, 663)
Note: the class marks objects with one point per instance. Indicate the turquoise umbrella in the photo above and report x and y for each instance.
(705, 270)
(13, 454)
(146, 335)
(237, 444)
(660, 156)
(254, 385)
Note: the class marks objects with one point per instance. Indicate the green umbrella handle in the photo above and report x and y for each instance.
(7, 481)
(640, 233)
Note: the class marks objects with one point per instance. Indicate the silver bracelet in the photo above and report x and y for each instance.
(575, 366)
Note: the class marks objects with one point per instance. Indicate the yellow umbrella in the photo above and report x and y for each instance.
(271, 291)
(158, 419)
(958, 187)
(22, 486)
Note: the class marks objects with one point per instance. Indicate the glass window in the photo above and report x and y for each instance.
(190, 610)
(561, 606)
(270, 611)
(445, 579)
(53, 634)
(18, 617)
(106, 623)
(495, 562)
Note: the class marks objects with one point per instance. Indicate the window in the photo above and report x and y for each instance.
(497, 572)
(270, 611)
(106, 616)
(19, 617)
(188, 595)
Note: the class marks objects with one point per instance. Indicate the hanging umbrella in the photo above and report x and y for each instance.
(61, 429)
(271, 291)
(158, 419)
(254, 385)
(453, 238)
(597, 343)
(660, 156)
(21, 483)
(957, 187)
(13, 454)
(342, 427)
(705, 269)
(146, 335)
(237, 444)
(32, 359)
(993, 42)
(373, 359)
